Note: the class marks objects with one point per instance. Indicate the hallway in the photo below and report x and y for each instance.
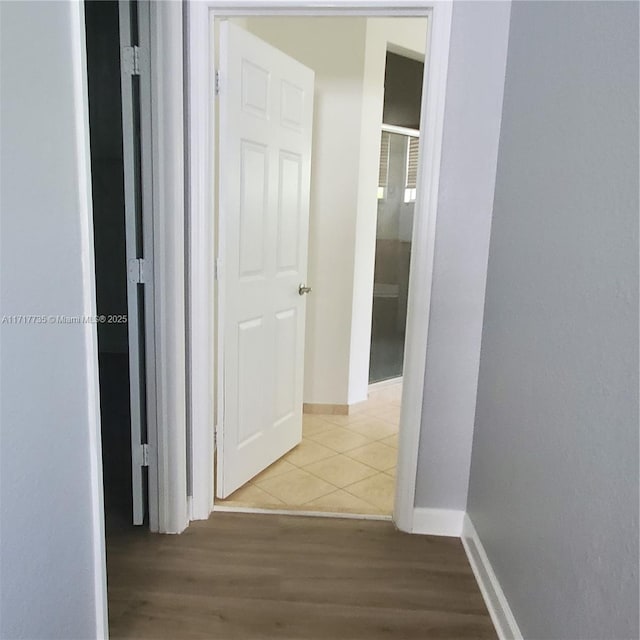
(245, 576)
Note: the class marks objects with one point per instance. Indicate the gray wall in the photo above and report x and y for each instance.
(554, 477)
(467, 177)
(51, 556)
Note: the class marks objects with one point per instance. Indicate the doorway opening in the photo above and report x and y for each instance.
(121, 252)
(397, 190)
(350, 268)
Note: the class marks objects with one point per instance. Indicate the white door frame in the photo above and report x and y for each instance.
(201, 158)
(168, 436)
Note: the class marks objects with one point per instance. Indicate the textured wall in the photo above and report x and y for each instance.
(479, 35)
(51, 533)
(554, 477)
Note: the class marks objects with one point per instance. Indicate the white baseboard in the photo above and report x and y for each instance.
(295, 512)
(438, 522)
(374, 386)
(497, 604)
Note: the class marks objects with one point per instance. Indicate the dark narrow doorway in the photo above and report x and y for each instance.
(107, 174)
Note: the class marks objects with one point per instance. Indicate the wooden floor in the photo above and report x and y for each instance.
(250, 577)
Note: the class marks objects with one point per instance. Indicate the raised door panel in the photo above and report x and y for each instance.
(286, 330)
(289, 211)
(253, 214)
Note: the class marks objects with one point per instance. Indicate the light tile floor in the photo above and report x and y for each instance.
(344, 464)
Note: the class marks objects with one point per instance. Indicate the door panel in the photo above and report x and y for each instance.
(289, 189)
(251, 362)
(253, 212)
(266, 108)
(285, 364)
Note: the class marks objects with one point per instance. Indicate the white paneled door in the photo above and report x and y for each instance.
(266, 109)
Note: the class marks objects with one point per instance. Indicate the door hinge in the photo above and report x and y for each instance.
(144, 455)
(138, 270)
(217, 82)
(131, 60)
(218, 269)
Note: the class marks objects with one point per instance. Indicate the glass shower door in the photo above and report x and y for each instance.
(396, 204)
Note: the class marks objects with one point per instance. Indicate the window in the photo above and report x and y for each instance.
(412, 169)
(383, 174)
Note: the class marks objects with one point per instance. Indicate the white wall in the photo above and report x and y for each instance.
(339, 68)
(346, 148)
(52, 575)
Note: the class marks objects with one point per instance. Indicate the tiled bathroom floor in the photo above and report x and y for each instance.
(344, 464)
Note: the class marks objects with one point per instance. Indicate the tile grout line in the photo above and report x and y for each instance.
(378, 472)
(358, 418)
(336, 454)
(377, 510)
(311, 437)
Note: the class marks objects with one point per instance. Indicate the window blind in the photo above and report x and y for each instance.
(412, 162)
(384, 160)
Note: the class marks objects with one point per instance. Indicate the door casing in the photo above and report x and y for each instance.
(203, 371)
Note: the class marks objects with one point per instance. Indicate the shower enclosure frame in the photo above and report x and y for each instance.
(408, 133)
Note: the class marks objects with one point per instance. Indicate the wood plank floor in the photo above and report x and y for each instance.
(255, 577)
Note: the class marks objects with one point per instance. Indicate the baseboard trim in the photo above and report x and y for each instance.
(494, 597)
(312, 408)
(375, 386)
(308, 514)
(438, 522)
